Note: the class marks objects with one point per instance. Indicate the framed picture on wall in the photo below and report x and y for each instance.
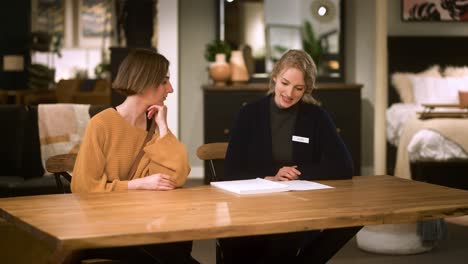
(94, 22)
(434, 10)
(95, 16)
(48, 16)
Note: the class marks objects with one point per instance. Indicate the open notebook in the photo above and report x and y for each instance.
(259, 185)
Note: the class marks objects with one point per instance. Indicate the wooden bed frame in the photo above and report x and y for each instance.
(415, 54)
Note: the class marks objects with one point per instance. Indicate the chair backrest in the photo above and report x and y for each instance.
(212, 151)
(60, 165)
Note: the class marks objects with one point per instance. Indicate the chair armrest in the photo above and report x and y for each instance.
(61, 163)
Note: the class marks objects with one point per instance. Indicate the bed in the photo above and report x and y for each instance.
(433, 157)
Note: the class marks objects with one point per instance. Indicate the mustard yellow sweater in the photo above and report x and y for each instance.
(111, 144)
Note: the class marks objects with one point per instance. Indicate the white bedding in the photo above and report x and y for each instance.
(426, 144)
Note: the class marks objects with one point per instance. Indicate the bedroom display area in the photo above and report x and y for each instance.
(426, 120)
(427, 76)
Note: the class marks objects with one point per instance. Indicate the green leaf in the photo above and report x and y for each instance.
(310, 44)
(215, 47)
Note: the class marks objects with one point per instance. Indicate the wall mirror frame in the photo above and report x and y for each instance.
(251, 22)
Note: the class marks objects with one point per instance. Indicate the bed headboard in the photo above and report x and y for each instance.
(415, 54)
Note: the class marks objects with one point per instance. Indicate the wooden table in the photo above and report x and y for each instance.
(71, 222)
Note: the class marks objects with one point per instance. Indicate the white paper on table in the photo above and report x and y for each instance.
(298, 185)
(252, 186)
(259, 185)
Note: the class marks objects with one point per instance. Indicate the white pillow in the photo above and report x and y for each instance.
(402, 83)
(433, 90)
(453, 71)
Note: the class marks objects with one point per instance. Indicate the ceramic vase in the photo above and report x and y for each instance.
(239, 71)
(463, 97)
(220, 70)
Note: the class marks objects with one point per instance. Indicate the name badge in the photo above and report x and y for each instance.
(300, 139)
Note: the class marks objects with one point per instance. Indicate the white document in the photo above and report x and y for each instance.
(299, 185)
(253, 186)
(259, 185)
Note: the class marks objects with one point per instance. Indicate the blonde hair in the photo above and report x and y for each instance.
(141, 69)
(302, 61)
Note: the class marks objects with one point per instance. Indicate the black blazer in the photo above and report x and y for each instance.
(249, 154)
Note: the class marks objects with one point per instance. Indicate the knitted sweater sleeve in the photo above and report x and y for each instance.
(169, 156)
(89, 170)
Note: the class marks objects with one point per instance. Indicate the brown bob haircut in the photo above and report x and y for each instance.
(141, 69)
(302, 61)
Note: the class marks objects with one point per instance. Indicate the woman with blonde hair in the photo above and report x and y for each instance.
(120, 153)
(281, 137)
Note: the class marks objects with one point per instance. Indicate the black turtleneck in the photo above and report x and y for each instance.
(282, 123)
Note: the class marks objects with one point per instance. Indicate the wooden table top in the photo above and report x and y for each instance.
(70, 221)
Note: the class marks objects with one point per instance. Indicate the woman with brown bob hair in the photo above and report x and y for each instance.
(282, 137)
(114, 137)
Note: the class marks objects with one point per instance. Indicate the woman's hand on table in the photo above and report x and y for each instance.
(156, 182)
(286, 173)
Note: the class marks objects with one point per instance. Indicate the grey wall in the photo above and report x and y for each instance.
(360, 68)
(197, 26)
(396, 27)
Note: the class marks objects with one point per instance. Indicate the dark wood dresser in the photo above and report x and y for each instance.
(342, 101)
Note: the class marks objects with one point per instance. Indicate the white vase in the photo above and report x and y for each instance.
(239, 71)
(219, 70)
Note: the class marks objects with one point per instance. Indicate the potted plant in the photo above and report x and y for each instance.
(216, 47)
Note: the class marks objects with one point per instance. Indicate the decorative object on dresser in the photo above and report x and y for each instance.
(221, 105)
(218, 53)
(220, 71)
(239, 71)
(463, 98)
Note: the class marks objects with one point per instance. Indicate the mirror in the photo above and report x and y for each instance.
(264, 29)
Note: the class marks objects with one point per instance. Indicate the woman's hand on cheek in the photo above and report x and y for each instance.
(160, 113)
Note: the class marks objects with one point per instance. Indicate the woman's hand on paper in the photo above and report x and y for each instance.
(160, 112)
(286, 173)
(156, 182)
